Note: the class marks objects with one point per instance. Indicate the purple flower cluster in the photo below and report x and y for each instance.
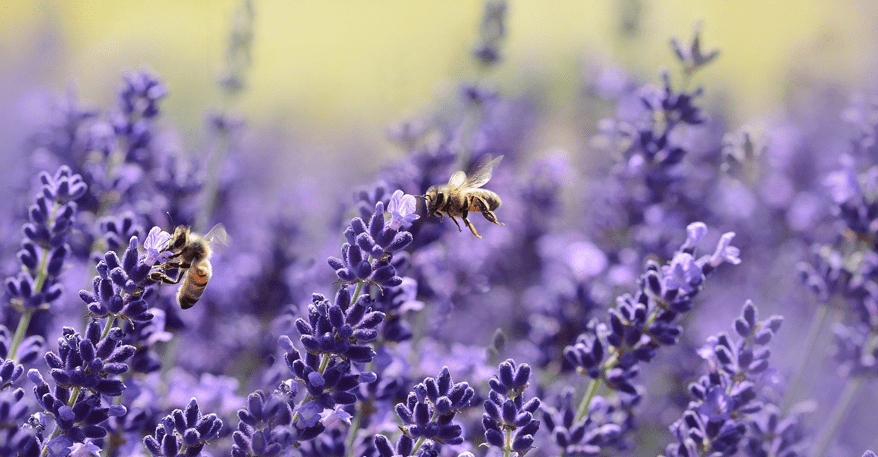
(508, 420)
(728, 399)
(367, 256)
(428, 413)
(44, 248)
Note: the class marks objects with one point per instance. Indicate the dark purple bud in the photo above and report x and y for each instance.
(382, 444)
(521, 376)
(405, 445)
(335, 263)
(302, 327)
(522, 443)
(358, 225)
(405, 415)
(422, 414)
(508, 412)
(497, 386)
(364, 270)
(384, 274)
(343, 298)
(494, 438)
(336, 316)
(400, 241)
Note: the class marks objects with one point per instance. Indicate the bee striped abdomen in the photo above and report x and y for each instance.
(484, 200)
(193, 285)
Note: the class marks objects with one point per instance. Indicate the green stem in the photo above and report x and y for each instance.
(39, 282)
(324, 362)
(827, 435)
(107, 327)
(352, 430)
(507, 448)
(418, 444)
(23, 323)
(589, 395)
(359, 289)
(358, 419)
(818, 320)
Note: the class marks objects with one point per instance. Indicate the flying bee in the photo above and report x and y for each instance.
(191, 258)
(462, 195)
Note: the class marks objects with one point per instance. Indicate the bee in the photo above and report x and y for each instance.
(462, 195)
(191, 258)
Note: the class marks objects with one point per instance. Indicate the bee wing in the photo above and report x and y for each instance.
(457, 179)
(482, 173)
(218, 236)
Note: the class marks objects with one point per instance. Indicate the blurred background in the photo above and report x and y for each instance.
(328, 77)
(322, 83)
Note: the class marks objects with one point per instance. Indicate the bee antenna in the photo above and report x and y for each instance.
(170, 218)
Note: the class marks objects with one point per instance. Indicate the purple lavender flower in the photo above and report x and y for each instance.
(726, 400)
(122, 288)
(183, 432)
(117, 230)
(14, 438)
(587, 435)
(770, 431)
(89, 362)
(156, 244)
(74, 424)
(691, 56)
(44, 248)
(328, 379)
(491, 33)
(508, 420)
(341, 328)
(368, 254)
(427, 414)
(265, 427)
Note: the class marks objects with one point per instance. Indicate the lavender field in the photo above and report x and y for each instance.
(662, 279)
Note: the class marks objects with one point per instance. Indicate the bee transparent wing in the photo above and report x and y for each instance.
(457, 179)
(218, 236)
(482, 173)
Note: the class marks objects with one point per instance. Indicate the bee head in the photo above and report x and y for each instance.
(433, 199)
(179, 239)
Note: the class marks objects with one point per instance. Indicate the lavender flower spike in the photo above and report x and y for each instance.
(183, 432)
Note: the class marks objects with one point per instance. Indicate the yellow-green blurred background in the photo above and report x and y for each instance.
(337, 72)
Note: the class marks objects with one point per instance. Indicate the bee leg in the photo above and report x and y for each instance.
(489, 215)
(458, 223)
(471, 227)
(160, 276)
(172, 265)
